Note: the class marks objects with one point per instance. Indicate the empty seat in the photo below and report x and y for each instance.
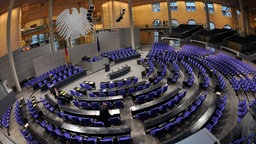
(124, 139)
(98, 124)
(156, 132)
(106, 140)
(153, 112)
(169, 125)
(90, 140)
(118, 104)
(114, 120)
(140, 99)
(95, 105)
(141, 116)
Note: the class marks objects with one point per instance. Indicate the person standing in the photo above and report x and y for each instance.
(164, 23)
(104, 114)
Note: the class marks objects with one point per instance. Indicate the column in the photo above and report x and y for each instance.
(243, 30)
(169, 16)
(50, 26)
(9, 47)
(113, 15)
(131, 24)
(207, 15)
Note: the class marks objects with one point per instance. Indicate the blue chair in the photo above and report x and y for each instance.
(179, 119)
(58, 132)
(91, 94)
(128, 82)
(124, 139)
(153, 112)
(106, 140)
(67, 135)
(86, 121)
(76, 103)
(140, 87)
(98, 124)
(120, 84)
(147, 85)
(158, 93)
(114, 120)
(111, 85)
(84, 105)
(163, 107)
(90, 140)
(156, 132)
(209, 126)
(140, 99)
(95, 105)
(121, 92)
(150, 96)
(169, 125)
(103, 86)
(171, 103)
(111, 93)
(141, 116)
(135, 80)
(131, 90)
(118, 104)
(164, 89)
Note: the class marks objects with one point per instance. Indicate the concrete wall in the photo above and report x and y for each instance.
(23, 64)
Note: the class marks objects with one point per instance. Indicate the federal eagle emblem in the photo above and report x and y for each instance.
(74, 24)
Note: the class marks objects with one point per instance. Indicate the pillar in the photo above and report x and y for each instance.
(169, 16)
(131, 24)
(207, 15)
(9, 47)
(243, 30)
(50, 26)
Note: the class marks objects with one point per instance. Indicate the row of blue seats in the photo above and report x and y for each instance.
(144, 115)
(18, 116)
(61, 78)
(44, 76)
(217, 113)
(79, 138)
(119, 84)
(28, 136)
(161, 130)
(151, 95)
(242, 110)
(5, 120)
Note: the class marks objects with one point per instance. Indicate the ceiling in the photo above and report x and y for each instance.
(251, 4)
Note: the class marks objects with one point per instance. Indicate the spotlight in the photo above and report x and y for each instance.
(121, 15)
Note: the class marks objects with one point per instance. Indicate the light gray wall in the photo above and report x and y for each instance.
(39, 60)
(23, 64)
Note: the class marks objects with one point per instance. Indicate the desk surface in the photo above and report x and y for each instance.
(120, 72)
(99, 99)
(93, 113)
(99, 131)
(116, 81)
(155, 102)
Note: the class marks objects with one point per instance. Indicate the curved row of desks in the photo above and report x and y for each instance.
(159, 101)
(150, 123)
(119, 72)
(197, 125)
(90, 131)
